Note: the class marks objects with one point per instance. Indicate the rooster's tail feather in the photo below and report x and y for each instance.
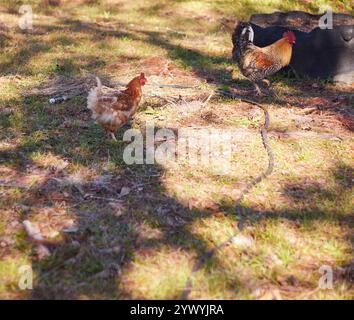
(247, 33)
(93, 95)
(99, 84)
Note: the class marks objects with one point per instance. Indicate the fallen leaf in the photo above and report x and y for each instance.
(6, 112)
(124, 191)
(115, 249)
(33, 230)
(243, 241)
(71, 230)
(42, 252)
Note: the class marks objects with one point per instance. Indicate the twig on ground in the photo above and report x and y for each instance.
(120, 196)
(13, 185)
(207, 100)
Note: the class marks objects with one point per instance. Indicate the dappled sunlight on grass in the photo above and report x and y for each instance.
(9, 273)
(136, 231)
(163, 272)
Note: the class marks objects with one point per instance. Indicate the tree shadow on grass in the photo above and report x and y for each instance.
(105, 229)
(89, 262)
(28, 49)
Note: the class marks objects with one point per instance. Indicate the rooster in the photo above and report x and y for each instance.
(258, 63)
(113, 110)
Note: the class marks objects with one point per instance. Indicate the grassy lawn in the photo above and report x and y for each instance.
(59, 171)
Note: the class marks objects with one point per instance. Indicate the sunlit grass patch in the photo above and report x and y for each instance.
(10, 277)
(157, 274)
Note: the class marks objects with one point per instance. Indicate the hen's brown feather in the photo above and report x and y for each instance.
(113, 110)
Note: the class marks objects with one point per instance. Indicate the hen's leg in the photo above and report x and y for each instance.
(269, 89)
(113, 136)
(258, 90)
(273, 93)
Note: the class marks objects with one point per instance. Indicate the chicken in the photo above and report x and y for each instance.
(113, 110)
(258, 63)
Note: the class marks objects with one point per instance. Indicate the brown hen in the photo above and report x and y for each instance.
(113, 110)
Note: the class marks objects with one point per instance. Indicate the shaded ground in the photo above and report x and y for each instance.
(58, 170)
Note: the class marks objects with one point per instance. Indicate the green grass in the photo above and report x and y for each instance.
(299, 218)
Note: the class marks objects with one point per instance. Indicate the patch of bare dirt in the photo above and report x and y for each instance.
(159, 69)
(333, 112)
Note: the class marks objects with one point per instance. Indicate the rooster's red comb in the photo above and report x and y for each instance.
(290, 36)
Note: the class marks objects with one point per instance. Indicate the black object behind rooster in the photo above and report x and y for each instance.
(320, 53)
